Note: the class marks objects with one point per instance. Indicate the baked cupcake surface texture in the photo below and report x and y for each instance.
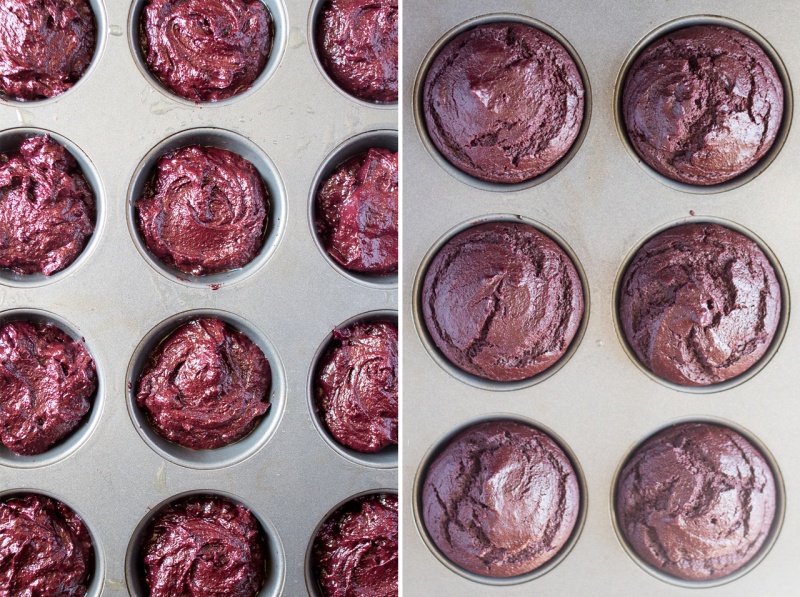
(502, 301)
(696, 501)
(501, 499)
(47, 209)
(699, 304)
(47, 386)
(703, 104)
(204, 211)
(356, 549)
(206, 50)
(45, 46)
(45, 548)
(205, 386)
(503, 102)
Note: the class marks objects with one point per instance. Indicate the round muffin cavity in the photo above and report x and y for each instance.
(357, 213)
(703, 104)
(205, 386)
(47, 384)
(503, 102)
(46, 548)
(356, 386)
(696, 501)
(204, 211)
(206, 50)
(357, 46)
(204, 545)
(699, 304)
(47, 209)
(502, 301)
(501, 499)
(355, 552)
(45, 46)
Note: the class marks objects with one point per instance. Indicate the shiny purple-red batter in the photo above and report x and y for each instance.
(356, 212)
(47, 209)
(45, 46)
(355, 551)
(47, 381)
(45, 549)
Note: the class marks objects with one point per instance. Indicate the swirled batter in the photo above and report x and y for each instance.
(45, 46)
(204, 546)
(206, 50)
(47, 382)
(355, 551)
(47, 209)
(45, 548)
(204, 211)
(205, 386)
(357, 212)
(357, 44)
(356, 386)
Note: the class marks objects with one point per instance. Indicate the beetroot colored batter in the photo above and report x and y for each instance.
(45, 46)
(45, 548)
(205, 386)
(356, 386)
(47, 208)
(206, 50)
(204, 211)
(357, 44)
(355, 551)
(47, 381)
(356, 212)
(204, 546)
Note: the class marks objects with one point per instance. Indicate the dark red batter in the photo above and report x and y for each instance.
(356, 386)
(696, 501)
(47, 384)
(206, 50)
(357, 45)
(356, 213)
(204, 546)
(204, 211)
(702, 104)
(45, 46)
(503, 102)
(355, 552)
(502, 301)
(47, 209)
(45, 549)
(205, 386)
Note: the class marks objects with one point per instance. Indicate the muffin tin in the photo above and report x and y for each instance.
(603, 203)
(112, 470)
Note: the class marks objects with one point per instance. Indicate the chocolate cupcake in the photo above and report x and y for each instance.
(503, 102)
(703, 104)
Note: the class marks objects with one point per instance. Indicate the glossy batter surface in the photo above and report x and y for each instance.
(357, 45)
(47, 209)
(204, 546)
(702, 104)
(47, 385)
(204, 211)
(45, 548)
(356, 386)
(501, 499)
(206, 50)
(356, 549)
(503, 102)
(45, 46)
(699, 304)
(357, 212)
(205, 386)
(696, 501)
(502, 301)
